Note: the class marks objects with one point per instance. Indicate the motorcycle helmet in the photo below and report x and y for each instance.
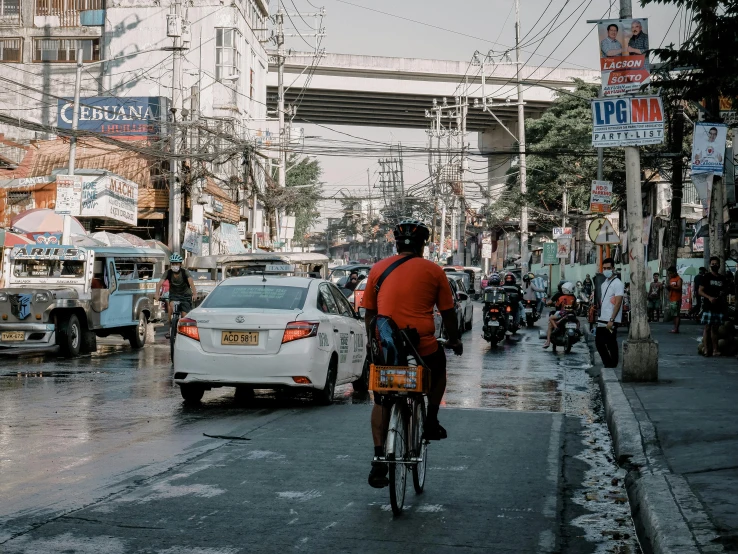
(495, 279)
(411, 231)
(510, 279)
(567, 288)
(527, 277)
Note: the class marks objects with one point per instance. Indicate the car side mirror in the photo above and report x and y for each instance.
(463, 296)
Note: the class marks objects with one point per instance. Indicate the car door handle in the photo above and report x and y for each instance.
(352, 332)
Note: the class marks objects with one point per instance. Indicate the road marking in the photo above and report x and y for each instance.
(547, 539)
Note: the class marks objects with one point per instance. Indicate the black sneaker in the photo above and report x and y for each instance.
(433, 431)
(378, 475)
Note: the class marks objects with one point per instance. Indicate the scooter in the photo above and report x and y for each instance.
(495, 319)
(566, 334)
(531, 312)
(512, 309)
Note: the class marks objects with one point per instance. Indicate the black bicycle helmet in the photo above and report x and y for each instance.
(411, 231)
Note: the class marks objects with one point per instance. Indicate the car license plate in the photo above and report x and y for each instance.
(528, 310)
(494, 323)
(571, 325)
(13, 336)
(240, 338)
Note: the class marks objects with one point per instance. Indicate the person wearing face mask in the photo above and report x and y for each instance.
(610, 316)
(181, 288)
(713, 292)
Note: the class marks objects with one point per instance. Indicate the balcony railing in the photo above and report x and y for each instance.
(68, 11)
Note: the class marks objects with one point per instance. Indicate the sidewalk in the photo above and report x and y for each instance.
(680, 436)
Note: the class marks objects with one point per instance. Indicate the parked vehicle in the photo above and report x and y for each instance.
(68, 296)
(495, 318)
(460, 299)
(467, 307)
(567, 334)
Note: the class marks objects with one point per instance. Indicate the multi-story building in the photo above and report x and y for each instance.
(223, 70)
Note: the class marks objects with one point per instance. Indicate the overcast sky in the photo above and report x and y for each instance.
(351, 29)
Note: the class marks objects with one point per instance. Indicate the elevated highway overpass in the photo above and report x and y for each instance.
(344, 89)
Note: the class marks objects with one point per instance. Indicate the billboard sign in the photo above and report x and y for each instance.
(549, 253)
(131, 116)
(600, 200)
(559, 232)
(623, 59)
(106, 197)
(633, 121)
(708, 148)
(563, 247)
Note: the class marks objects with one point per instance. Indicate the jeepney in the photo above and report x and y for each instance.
(68, 296)
(208, 271)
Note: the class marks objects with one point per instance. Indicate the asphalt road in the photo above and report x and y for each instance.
(99, 454)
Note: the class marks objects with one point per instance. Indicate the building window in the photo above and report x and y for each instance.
(67, 10)
(251, 84)
(11, 50)
(19, 197)
(227, 57)
(10, 11)
(65, 50)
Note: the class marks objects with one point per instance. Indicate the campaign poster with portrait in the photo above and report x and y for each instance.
(708, 148)
(623, 60)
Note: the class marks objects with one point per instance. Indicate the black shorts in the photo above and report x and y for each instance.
(436, 362)
(185, 303)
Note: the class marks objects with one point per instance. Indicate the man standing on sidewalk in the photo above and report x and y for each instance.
(654, 298)
(712, 290)
(696, 290)
(610, 316)
(674, 285)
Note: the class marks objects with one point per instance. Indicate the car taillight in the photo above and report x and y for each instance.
(188, 328)
(296, 330)
(508, 309)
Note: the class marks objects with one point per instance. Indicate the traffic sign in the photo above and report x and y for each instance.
(601, 231)
(549, 253)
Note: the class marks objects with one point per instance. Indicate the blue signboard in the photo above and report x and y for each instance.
(629, 121)
(113, 116)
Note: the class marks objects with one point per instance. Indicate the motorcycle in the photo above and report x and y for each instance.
(513, 308)
(567, 333)
(495, 319)
(531, 312)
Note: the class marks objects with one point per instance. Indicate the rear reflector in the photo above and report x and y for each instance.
(188, 328)
(302, 380)
(299, 330)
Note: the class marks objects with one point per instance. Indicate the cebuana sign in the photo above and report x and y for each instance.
(130, 116)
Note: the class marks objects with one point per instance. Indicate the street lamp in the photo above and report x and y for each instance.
(67, 219)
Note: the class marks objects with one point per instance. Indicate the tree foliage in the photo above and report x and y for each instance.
(560, 154)
(705, 66)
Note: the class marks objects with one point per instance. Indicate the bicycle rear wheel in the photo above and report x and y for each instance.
(397, 449)
(420, 445)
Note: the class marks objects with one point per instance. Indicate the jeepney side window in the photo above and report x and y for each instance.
(98, 275)
(112, 281)
(145, 269)
(126, 269)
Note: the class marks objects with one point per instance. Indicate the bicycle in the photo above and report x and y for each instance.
(173, 327)
(405, 448)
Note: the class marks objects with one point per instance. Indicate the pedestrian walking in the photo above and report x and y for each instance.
(713, 292)
(674, 285)
(610, 316)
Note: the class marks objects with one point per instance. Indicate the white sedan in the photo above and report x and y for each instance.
(271, 332)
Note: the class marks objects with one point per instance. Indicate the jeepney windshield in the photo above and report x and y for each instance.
(49, 268)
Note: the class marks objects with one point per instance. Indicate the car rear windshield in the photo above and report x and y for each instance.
(267, 297)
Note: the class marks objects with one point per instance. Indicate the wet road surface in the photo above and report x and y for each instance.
(99, 454)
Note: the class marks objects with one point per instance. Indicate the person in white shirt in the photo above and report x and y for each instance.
(610, 316)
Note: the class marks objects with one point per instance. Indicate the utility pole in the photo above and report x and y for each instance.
(66, 218)
(282, 163)
(640, 351)
(175, 183)
(565, 202)
(674, 231)
(521, 147)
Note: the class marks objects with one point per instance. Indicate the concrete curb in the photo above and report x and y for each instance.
(668, 516)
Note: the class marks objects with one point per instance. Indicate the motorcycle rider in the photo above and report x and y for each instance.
(518, 310)
(529, 292)
(567, 301)
(408, 295)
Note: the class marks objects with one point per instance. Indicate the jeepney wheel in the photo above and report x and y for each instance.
(89, 342)
(137, 333)
(69, 336)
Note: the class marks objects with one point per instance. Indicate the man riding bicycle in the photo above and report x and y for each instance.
(181, 289)
(408, 295)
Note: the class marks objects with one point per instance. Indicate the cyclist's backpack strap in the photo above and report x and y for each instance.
(394, 265)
